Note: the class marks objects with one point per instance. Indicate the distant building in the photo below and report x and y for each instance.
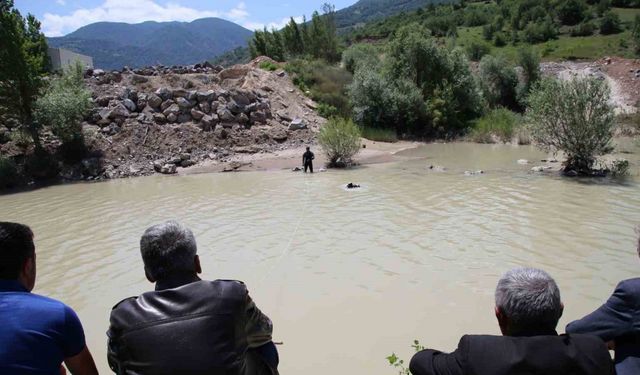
(62, 58)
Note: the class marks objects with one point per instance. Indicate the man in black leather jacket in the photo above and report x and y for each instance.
(187, 325)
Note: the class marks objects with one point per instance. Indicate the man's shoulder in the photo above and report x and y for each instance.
(631, 285)
(221, 288)
(48, 304)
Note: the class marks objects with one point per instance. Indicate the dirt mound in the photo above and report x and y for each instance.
(156, 119)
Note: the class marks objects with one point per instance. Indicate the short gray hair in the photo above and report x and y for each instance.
(530, 298)
(168, 249)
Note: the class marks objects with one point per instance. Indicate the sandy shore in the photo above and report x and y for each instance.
(372, 153)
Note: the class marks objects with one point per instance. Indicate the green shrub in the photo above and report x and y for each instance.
(477, 50)
(8, 173)
(619, 168)
(359, 54)
(574, 117)
(635, 34)
(610, 23)
(269, 65)
(399, 364)
(583, 29)
(379, 134)
(64, 104)
(327, 110)
(499, 82)
(340, 140)
(500, 123)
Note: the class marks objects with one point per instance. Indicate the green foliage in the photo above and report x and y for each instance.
(23, 61)
(529, 60)
(571, 12)
(398, 363)
(499, 123)
(379, 134)
(476, 50)
(340, 140)
(499, 82)
(610, 23)
(359, 54)
(240, 55)
(8, 173)
(539, 32)
(327, 110)
(268, 65)
(619, 168)
(583, 29)
(64, 104)
(574, 117)
(635, 33)
(325, 83)
(317, 38)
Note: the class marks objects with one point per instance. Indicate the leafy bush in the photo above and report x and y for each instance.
(340, 140)
(327, 110)
(574, 117)
(529, 60)
(326, 83)
(635, 34)
(64, 104)
(398, 363)
(571, 12)
(268, 65)
(540, 32)
(619, 168)
(500, 122)
(477, 50)
(499, 82)
(610, 23)
(8, 173)
(358, 55)
(379, 134)
(583, 29)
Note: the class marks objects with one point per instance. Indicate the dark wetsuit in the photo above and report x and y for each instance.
(307, 161)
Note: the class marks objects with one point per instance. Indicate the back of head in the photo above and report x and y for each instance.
(168, 250)
(530, 299)
(16, 246)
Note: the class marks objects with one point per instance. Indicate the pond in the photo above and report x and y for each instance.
(347, 276)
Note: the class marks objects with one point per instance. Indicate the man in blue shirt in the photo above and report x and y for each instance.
(37, 333)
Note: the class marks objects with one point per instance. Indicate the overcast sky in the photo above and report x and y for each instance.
(60, 17)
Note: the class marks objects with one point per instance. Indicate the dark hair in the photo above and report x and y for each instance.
(16, 246)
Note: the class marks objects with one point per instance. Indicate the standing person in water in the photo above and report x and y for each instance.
(307, 160)
(37, 334)
(618, 323)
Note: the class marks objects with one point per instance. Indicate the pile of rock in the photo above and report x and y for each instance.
(140, 74)
(207, 109)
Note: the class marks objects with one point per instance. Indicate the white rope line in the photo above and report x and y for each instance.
(293, 235)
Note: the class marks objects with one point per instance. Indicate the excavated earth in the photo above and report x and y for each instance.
(165, 119)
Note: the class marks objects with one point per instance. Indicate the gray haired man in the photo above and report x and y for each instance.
(187, 325)
(528, 308)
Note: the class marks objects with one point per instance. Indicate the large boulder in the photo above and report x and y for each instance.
(225, 115)
(205, 107)
(154, 101)
(104, 100)
(172, 118)
(136, 79)
(119, 111)
(164, 93)
(159, 118)
(172, 109)
(197, 115)
(243, 98)
(183, 118)
(258, 117)
(131, 106)
(166, 104)
(297, 124)
(205, 97)
(183, 103)
(168, 169)
(234, 107)
(208, 122)
(242, 119)
(179, 93)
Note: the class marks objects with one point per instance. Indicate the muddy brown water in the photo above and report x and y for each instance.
(347, 276)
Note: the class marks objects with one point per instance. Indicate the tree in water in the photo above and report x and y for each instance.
(574, 117)
(23, 62)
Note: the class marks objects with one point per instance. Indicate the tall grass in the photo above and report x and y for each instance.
(379, 134)
(499, 124)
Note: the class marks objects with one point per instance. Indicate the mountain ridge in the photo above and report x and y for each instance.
(116, 44)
